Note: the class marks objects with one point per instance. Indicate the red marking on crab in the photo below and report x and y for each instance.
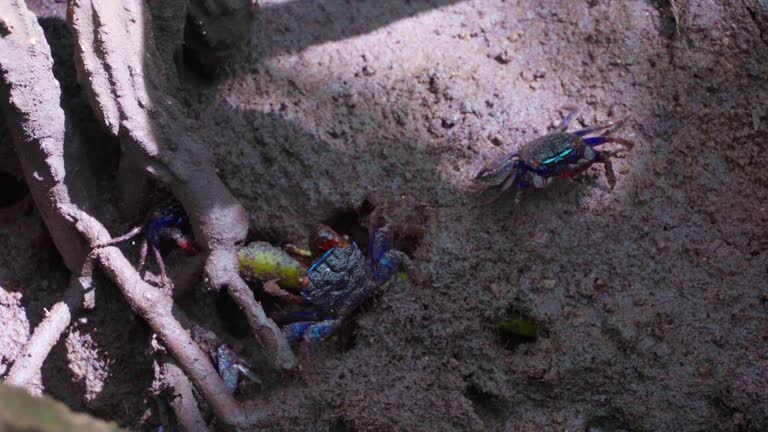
(189, 246)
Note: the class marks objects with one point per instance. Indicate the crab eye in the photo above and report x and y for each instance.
(324, 239)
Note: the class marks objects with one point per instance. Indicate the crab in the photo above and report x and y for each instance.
(164, 222)
(552, 157)
(231, 367)
(338, 282)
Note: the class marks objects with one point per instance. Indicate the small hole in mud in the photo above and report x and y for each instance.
(611, 422)
(235, 322)
(667, 18)
(12, 190)
(341, 425)
(353, 222)
(193, 61)
(275, 309)
(349, 222)
(489, 407)
(515, 328)
(347, 336)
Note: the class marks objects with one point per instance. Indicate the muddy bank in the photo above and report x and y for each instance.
(649, 299)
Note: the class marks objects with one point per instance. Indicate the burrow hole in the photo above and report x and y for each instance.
(515, 328)
(352, 222)
(12, 190)
(491, 408)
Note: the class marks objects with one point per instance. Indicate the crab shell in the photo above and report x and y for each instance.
(552, 149)
(338, 281)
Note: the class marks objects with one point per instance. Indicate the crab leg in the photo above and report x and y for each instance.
(508, 182)
(310, 331)
(380, 241)
(590, 129)
(182, 240)
(143, 254)
(600, 140)
(296, 316)
(390, 262)
(127, 236)
(566, 121)
(605, 159)
(160, 263)
(272, 288)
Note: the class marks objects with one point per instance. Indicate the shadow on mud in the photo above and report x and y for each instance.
(291, 26)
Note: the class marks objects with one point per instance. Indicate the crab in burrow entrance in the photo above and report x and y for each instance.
(552, 157)
(335, 284)
(168, 222)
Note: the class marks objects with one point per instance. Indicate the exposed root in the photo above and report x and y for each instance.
(29, 94)
(171, 380)
(46, 334)
(124, 77)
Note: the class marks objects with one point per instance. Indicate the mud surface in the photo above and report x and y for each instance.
(650, 298)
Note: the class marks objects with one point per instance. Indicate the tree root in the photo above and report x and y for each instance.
(47, 146)
(124, 77)
(47, 333)
(169, 379)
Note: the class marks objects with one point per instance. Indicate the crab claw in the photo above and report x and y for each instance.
(501, 175)
(496, 172)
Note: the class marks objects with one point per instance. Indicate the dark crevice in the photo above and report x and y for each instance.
(761, 22)
(352, 222)
(515, 328)
(611, 422)
(355, 223)
(340, 425)
(12, 190)
(490, 408)
(668, 20)
(347, 336)
(233, 317)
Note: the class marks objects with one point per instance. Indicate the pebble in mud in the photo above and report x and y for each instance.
(5, 27)
(450, 120)
(504, 57)
(368, 70)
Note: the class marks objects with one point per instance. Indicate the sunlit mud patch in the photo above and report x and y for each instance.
(89, 367)
(16, 325)
(514, 329)
(592, 190)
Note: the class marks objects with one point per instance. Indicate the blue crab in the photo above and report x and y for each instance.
(340, 280)
(164, 222)
(551, 157)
